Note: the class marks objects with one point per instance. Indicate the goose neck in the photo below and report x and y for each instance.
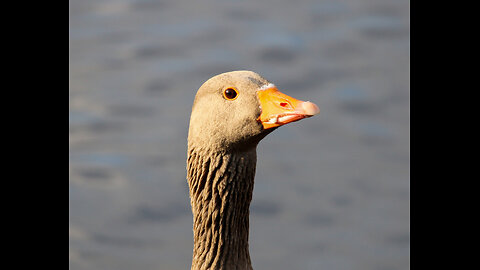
(221, 186)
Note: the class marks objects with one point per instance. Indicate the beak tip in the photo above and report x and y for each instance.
(310, 108)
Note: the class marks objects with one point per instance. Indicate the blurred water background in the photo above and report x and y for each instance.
(331, 192)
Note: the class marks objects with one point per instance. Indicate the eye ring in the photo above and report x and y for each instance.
(230, 93)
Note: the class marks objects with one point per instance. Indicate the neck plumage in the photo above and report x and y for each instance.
(221, 186)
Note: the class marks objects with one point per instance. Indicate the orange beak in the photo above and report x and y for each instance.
(279, 109)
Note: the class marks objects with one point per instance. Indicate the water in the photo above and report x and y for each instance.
(331, 192)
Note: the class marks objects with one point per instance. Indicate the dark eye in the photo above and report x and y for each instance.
(230, 93)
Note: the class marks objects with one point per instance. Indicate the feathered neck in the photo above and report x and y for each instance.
(221, 186)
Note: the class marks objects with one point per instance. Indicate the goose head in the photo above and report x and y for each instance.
(235, 110)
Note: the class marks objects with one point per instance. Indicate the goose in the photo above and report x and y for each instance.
(231, 113)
